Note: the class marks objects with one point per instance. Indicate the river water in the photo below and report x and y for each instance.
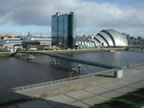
(15, 72)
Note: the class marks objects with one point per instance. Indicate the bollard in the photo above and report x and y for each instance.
(118, 73)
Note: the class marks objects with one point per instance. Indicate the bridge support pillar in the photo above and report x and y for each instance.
(79, 67)
(118, 73)
(54, 62)
(142, 49)
(30, 57)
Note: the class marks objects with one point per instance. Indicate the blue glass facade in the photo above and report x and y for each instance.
(63, 30)
(55, 29)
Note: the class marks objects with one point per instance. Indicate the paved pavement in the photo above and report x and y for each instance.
(85, 92)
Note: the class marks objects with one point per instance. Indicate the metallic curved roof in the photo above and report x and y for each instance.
(111, 37)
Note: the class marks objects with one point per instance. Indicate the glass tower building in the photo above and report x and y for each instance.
(63, 30)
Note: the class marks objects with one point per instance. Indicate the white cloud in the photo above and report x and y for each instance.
(98, 15)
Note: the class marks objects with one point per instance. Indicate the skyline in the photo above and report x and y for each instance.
(92, 15)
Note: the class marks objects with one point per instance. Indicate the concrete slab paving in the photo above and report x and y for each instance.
(139, 68)
(133, 79)
(78, 81)
(40, 90)
(61, 99)
(80, 104)
(138, 73)
(96, 93)
(95, 100)
(142, 82)
(112, 94)
(97, 90)
(66, 84)
(136, 86)
(133, 71)
(121, 82)
(61, 105)
(134, 75)
(129, 71)
(125, 90)
(111, 86)
(79, 95)
(140, 77)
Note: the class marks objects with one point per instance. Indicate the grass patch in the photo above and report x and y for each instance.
(130, 100)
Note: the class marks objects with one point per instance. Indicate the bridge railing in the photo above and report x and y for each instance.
(67, 58)
(61, 80)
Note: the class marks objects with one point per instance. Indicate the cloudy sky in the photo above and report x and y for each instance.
(18, 16)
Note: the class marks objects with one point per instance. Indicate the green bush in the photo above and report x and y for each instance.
(50, 48)
(19, 49)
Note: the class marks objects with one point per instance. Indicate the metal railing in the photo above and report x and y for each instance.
(61, 80)
(134, 65)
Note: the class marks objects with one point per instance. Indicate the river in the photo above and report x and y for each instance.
(15, 72)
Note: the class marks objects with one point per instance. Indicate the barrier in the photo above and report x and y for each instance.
(130, 66)
(61, 80)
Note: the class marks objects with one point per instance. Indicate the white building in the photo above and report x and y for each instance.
(105, 38)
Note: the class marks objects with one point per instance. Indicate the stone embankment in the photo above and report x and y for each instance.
(70, 51)
(5, 54)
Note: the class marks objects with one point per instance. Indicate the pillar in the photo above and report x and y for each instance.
(118, 73)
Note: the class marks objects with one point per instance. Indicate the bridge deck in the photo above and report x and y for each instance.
(70, 59)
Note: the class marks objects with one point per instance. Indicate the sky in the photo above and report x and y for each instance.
(92, 16)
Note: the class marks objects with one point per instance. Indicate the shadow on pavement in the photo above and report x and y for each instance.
(15, 100)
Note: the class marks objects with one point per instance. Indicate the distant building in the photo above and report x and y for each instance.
(86, 42)
(36, 41)
(127, 35)
(29, 34)
(63, 30)
(105, 38)
(111, 38)
(12, 44)
(43, 41)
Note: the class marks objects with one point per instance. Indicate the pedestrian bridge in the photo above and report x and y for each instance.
(67, 58)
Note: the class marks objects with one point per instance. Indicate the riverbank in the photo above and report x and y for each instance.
(78, 51)
(5, 54)
(73, 51)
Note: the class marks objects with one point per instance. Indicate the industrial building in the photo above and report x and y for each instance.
(63, 30)
(12, 44)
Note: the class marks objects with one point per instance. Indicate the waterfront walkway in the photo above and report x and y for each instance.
(83, 93)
